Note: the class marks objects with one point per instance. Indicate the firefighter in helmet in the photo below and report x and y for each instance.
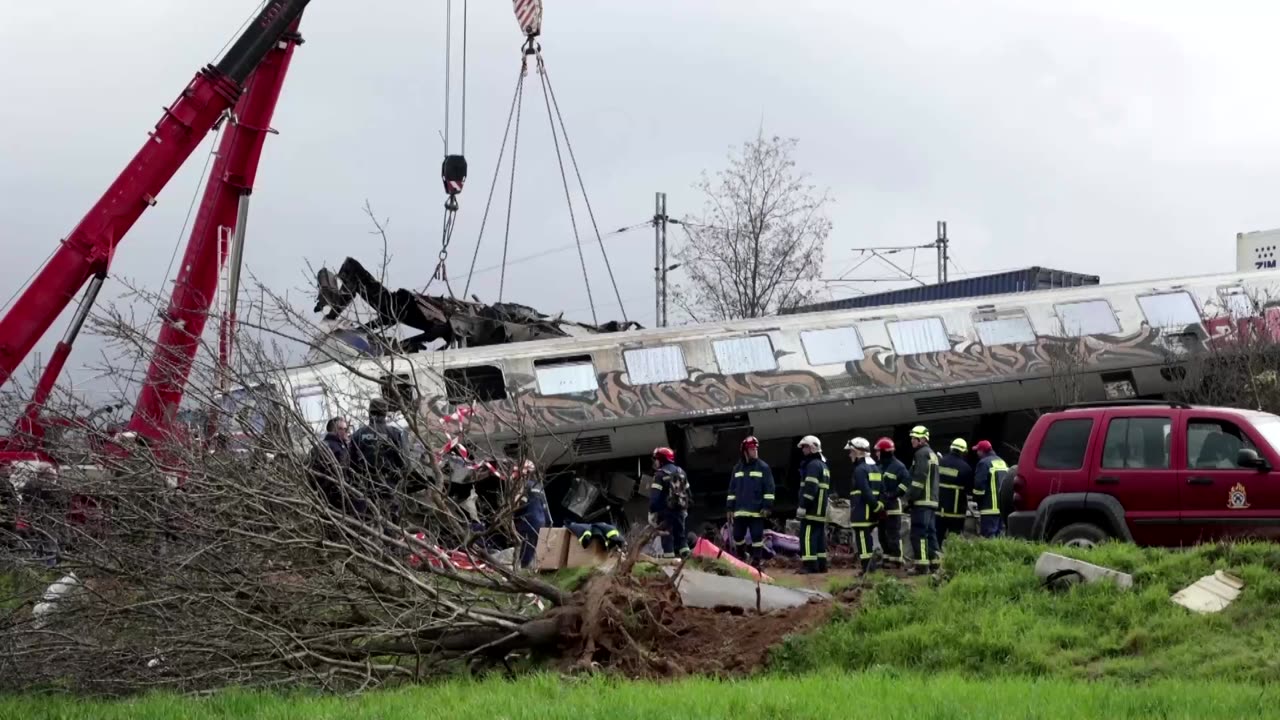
(864, 506)
(955, 484)
(922, 498)
(750, 500)
(891, 488)
(987, 479)
(669, 501)
(815, 486)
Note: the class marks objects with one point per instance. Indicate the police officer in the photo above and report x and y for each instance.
(669, 501)
(987, 479)
(922, 498)
(956, 482)
(893, 486)
(815, 485)
(750, 500)
(864, 506)
(378, 450)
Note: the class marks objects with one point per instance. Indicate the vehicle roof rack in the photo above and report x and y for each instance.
(1126, 403)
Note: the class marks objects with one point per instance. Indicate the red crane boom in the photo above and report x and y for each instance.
(85, 255)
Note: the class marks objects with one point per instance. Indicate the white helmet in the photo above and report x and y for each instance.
(858, 443)
(812, 441)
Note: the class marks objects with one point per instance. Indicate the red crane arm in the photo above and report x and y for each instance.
(230, 184)
(88, 250)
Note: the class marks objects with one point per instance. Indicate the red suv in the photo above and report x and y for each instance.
(1152, 473)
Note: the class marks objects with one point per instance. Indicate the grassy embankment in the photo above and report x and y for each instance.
(986, 643)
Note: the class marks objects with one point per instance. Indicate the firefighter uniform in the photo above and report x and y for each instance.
(815, 485)
(955, 484)
(894, 482)
(923, 501)
(750, 499)
(987, 478)
(864, 509)
(669, 505)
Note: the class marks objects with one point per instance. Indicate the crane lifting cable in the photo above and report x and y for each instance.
(529, 17)
(453, 171)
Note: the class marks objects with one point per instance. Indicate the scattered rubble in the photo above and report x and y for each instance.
(1211, 593)
(440, 319)
(1053, 568)
(710, 591)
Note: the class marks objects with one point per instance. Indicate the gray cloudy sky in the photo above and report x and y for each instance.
(1126, 138)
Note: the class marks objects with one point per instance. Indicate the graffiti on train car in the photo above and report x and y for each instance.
(880, 371)
(969, 361)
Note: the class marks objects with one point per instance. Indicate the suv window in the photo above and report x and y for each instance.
(1213, 444)
(1137, 443)
(1064, 444)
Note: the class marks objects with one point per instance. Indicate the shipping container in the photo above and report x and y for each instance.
(1014, 281)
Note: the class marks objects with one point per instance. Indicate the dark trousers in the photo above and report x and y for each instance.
(948, 526)
(924, 537)
(890, 533)
(743, 525)
(862, 542)
(528, 529)
(676, 541)
(813, 545)
(991, 526)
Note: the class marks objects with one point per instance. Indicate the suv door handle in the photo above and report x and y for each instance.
(1108, 480)
(1199, 480)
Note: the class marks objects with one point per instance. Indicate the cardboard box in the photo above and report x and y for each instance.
(553, 548)
(595, 554)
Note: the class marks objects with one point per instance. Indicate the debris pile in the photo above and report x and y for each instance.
(440, 320)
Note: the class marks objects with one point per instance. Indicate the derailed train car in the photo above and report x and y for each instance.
(598, 403)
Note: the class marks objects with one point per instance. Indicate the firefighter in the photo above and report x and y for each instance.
(987, 479)
(956, 482)
(815, 485)
(922, 498)
(864, 506)
(750, 500)
(892, 488)
(669, 501)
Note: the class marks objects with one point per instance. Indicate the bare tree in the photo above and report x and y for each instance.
(760, 239)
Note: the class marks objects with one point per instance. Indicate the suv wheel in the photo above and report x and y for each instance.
(1081, 535)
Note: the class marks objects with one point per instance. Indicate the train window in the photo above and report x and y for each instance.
(566, 375)
(648, 366)
(398, 389)
(312, 405)
(479, 383)
(1169, 310)
(913, 337)
(1239, 304)
(1011, 330)
(831, 346)
(744, 355)
(1088, 317)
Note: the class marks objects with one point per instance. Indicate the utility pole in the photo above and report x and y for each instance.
(660, 267)
(942, 244)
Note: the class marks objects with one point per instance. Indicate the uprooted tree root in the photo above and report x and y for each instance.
(638, 627)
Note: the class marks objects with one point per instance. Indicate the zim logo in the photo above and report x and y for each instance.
(1237, 498)
(1264, 264)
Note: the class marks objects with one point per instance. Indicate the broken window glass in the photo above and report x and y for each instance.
(1089, 317)
(479, 383)
(913, 337)
(648, 366)
(831, 346)
(744, 355)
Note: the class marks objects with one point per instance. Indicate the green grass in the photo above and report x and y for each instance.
(828, 695)
(991, 618)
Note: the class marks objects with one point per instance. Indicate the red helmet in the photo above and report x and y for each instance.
(750, 442)
(885, 444)
(664, 454)
(983, 446)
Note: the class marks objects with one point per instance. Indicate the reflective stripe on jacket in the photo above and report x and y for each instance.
(987, 479)
(751, 489)
(815, 485)
(955, 484)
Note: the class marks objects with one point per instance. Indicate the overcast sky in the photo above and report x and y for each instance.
(1126, 138)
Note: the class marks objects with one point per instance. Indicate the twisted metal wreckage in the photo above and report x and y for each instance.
(442, 320)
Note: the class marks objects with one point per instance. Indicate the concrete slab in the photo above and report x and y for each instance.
(1050, 563)
(1211, 593)
(704, 590)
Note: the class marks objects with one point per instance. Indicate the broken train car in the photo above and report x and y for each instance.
(591, 402)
